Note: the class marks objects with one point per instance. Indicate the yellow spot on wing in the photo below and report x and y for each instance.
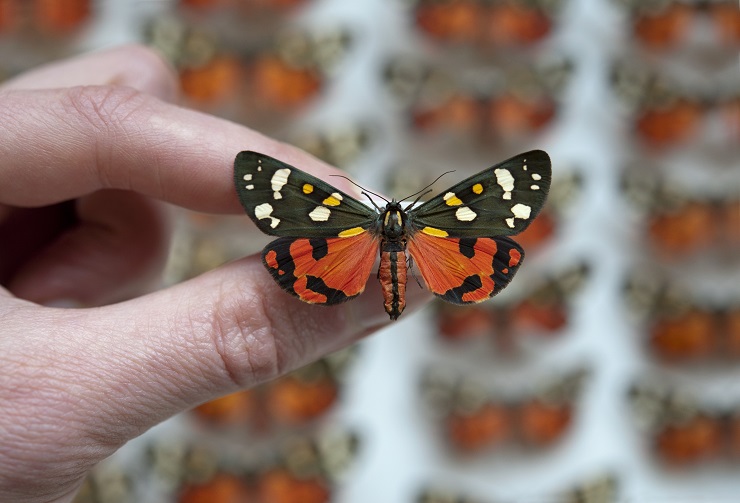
(331, 201)
(354, 231)
(435, 232)
(307, 188)
(452, 200)
(478, 188)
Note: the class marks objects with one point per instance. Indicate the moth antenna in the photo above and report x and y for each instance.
(364, 190)
(425, 188)
(380, 210)
(417, 199)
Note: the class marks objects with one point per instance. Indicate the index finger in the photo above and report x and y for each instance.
(63, 143)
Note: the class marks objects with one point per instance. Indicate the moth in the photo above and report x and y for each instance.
(328, 241)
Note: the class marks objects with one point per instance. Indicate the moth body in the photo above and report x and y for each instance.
(392, 269)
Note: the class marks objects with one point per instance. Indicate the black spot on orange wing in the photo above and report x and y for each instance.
(456, 295)
(320, 248)
(332, 295)
(467, 246)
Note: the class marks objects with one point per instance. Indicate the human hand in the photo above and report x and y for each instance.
(90, 147)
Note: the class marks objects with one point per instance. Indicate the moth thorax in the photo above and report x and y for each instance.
(393, 223)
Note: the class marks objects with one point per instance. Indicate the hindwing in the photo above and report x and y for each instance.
(499, 201)
(465, 270)
(322, 270)
(285, 201)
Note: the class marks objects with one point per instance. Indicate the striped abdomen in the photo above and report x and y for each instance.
(392, 276)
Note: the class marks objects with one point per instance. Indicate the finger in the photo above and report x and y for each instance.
(134, 66)
(90, 380)
(86, 139)
(116, 250)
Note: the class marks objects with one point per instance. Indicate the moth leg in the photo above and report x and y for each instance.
(410, 268)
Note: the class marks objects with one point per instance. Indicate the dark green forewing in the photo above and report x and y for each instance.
(499, 201)
(285, 201)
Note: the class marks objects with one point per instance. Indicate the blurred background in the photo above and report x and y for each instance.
(608, 371)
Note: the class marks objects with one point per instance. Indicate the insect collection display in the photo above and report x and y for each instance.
(592, 147)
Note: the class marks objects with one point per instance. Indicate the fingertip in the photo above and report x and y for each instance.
(134, 65)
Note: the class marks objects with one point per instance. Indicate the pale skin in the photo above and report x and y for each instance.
(90, 356)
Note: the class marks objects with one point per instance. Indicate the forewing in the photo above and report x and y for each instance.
(285, 201)
(322, 270)
(499, 201)
(465, 270)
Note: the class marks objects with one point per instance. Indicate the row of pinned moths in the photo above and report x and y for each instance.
(305, 468)
(664, 111)
(682, 327)
(603, 488)
(684, 428)
(665, 26)
(474, 419)
(486, 25)
(261, 83)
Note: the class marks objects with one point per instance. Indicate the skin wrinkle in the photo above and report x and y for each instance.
(253, 335)
(108, 111)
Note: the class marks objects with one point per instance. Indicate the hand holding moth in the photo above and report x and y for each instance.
(90, 147)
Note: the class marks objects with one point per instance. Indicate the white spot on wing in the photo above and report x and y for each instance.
(279, 179)
(536, 177)
(510, 222)
(247, 177)
(320, 214)
(506, 181)
(337, 196)
(249, 187)
(448, 196)
(521, 211)
(465, 214)
(534, 187)
(263, 211)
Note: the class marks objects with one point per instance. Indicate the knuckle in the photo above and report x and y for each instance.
(245, 341)
(104, 108)
(107, 114)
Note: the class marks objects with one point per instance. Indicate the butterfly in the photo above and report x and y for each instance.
(684, 328)
(249, 7)
(300, 467)
(664, 112)
(283, 75)
(474, 419)
(601, 489)
(506, 105)
(295, 400)
(328, 240)
(664, 25)
(684, 431)
(679, 223)
(484, 23)
(45, 17)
